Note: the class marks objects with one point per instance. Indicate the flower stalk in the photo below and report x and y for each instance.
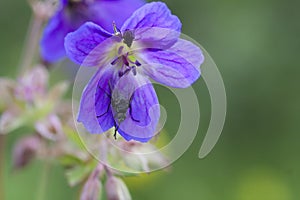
(42, 10)
(42, 183)
(31, 43)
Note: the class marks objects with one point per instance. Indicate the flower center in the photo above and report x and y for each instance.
(125, 59)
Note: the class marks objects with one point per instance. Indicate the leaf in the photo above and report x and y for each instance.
(70, 160)
(79, 173)
(74, 137)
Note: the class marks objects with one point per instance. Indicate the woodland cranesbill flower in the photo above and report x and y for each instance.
(71, 14)
(120, 94)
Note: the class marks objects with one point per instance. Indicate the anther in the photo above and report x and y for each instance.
(137, 63)
(120, 50)
(126, 71)
(133, 70)
(115, 61)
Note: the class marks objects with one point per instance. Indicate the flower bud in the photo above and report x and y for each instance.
(116, 189)
(92, 188)
(24, 150)
(51, 128)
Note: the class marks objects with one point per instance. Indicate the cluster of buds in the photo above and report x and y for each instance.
(29, 102)
(28, 99)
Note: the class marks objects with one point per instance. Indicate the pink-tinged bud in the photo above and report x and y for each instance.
(25, 150)
(92, 187)
(32, 84)
(91, 190)
(116, 189)
(50, 128)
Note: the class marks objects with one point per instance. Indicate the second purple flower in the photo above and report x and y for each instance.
(71, 14)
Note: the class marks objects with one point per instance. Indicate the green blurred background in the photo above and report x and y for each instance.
(256, 46)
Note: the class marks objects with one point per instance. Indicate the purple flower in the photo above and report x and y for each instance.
(120, 94)
(73, 13)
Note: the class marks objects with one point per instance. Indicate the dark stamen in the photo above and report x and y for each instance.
(133, 70)
(137, 63)
(115, 61)
(126, 71)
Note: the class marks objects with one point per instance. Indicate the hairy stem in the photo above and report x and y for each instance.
(2, 155)
(31, 43)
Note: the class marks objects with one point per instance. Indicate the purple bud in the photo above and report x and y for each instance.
(116, 189)
(51, 128)
(91, 190)
(24, 150)
(92, 187)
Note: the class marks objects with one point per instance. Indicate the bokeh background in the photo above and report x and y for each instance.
(256, 45)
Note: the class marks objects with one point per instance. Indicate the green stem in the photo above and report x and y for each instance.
(34, 32)
(42, 184)
(31, 44)
(2, 156)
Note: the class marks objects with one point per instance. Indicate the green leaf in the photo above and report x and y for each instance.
(79, 173)
(74, 137)
(70, 160)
